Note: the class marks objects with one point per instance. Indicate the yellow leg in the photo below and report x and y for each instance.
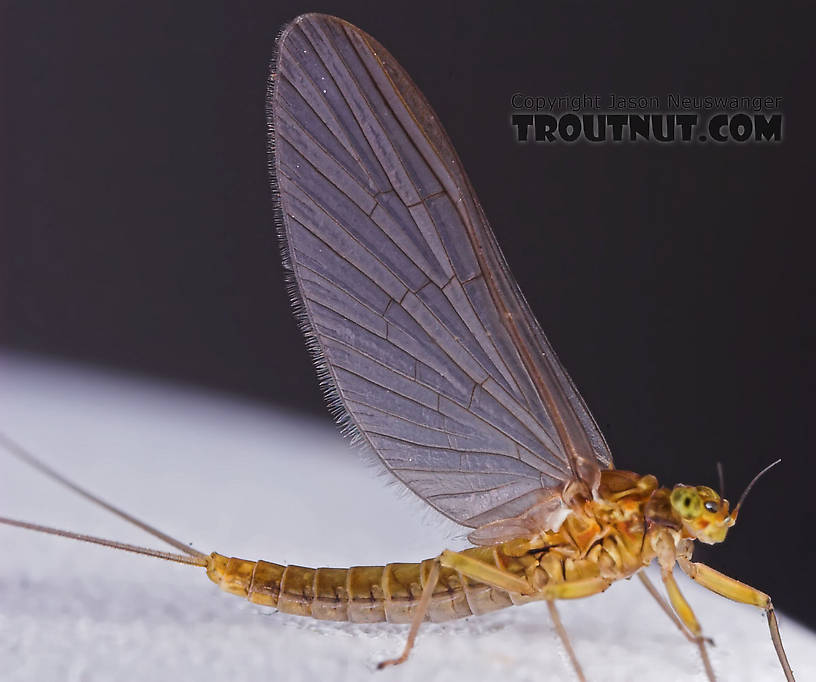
(504, 580)
(419, 616)
(698, 639)
(668, 610)
(683, 610)
(734, 589)
(680, 605)
(485, 573)
(496, 577)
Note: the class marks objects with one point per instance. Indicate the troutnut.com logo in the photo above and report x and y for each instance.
(673, 118)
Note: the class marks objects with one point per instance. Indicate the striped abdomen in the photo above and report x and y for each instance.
(361, 594)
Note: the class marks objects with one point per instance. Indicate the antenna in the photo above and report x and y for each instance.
(24, 455)
(751, 485)
(721, 476)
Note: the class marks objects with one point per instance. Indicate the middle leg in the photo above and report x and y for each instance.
(683, 610)
(699, 640)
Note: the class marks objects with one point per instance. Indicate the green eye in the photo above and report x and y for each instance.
(687, 502)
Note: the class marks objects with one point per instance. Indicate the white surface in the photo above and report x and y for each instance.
(251, 482)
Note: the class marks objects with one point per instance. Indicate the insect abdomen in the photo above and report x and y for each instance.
(360, 594)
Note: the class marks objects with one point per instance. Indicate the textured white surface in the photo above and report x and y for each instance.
(253, 482)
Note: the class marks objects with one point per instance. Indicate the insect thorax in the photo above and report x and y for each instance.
(607, 536)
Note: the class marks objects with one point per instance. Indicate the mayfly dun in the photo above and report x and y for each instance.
(433, 360)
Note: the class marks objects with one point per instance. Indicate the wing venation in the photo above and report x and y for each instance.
(418, 323)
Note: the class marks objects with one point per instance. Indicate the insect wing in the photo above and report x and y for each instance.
(421, 335)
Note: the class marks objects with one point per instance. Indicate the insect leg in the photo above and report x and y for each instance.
(419, 616)
(665, 607)
(683, 610)
(485, 573)
(491, 575)
(505, 580)
(699, 640)
(562, 633)
(733, 589)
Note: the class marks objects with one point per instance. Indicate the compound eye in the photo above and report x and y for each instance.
(686, 501)
(711, 506)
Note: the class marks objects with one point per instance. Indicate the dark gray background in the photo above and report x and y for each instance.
(675, 281)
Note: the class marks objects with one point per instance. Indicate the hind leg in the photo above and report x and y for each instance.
(419, 616)
(562, 633)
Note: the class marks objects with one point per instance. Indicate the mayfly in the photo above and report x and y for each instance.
(433, 360)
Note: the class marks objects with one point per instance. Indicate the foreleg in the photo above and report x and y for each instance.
(734, 589)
